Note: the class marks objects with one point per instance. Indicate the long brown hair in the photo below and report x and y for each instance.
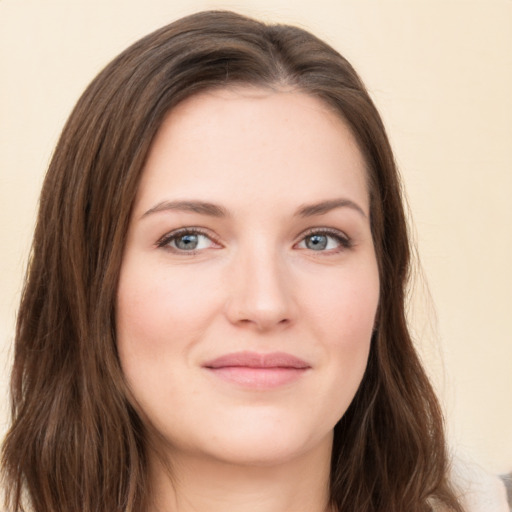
(75, 442)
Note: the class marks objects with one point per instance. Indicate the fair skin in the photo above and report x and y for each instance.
(247, 299)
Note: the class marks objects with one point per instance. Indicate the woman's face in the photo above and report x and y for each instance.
(249, 284)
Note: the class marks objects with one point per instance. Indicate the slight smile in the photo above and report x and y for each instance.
(258, 371)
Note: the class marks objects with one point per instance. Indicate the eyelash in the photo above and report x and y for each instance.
(174, 235)
(343, 240)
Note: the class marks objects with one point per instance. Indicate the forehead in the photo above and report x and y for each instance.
(254, 144)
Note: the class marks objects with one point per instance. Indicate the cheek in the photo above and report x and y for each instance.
(158, 320)
(159, 314)
(344, 321)
(344, 305)
(153, 301)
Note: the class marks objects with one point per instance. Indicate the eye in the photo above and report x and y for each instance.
(323, 241)
(186, 240)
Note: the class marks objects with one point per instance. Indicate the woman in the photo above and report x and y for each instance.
(213, 316)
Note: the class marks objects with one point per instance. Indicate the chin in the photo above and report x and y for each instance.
(269, 454)
(269, 443)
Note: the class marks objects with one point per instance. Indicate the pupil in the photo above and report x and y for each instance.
(316, 242)
(187, 242)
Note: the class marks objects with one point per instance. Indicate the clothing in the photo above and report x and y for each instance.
(479, 490)
(507, 480)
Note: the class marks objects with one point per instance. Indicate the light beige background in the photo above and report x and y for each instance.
(441, 75)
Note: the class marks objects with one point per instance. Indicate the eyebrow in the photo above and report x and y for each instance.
(200, 207)
(214, 210)
(323, 207)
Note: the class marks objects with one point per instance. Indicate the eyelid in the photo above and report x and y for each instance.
(344, 240)
(163, 241)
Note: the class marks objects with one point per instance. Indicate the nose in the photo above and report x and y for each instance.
(261, 294)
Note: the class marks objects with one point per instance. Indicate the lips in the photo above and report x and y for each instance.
(260, 371)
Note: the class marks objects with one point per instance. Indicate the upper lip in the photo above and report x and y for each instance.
(257, 360)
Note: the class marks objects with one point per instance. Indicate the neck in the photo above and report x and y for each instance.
(197, 484)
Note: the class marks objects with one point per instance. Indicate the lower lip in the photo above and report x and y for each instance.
(258, 378)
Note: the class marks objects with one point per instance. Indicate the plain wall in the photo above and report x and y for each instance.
(441, 74)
